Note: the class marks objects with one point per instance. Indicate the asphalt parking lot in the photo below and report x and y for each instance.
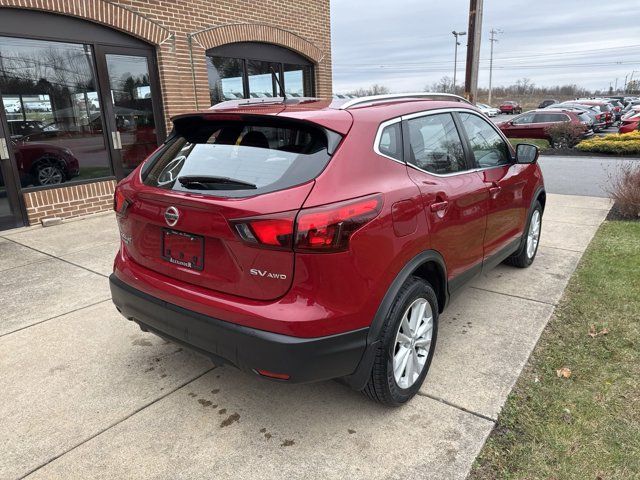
(86, 394)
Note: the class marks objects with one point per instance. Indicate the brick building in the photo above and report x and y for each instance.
(88, 86)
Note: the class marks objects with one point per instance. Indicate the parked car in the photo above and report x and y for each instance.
(316, 246)
(598, 118)
(535, 123)
(488, 110)
(510, 107)
(546, 103)
(602, 106)
(44, 164)
(32, 130)
(616, 108)
(632, 111)
(630, 124)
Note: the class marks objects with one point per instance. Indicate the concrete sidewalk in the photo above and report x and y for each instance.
(86, 394)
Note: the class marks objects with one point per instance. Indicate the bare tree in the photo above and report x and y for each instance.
(445, 84)
(375, 89)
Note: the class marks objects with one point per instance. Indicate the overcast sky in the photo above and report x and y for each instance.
(407, 44)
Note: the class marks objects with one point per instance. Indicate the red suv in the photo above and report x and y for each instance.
(535, 123)
(303, 241)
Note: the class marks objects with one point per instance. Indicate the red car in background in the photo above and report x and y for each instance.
(44, 164)
(630, 124)
(510, 107)
(302, 241)
(534, 124)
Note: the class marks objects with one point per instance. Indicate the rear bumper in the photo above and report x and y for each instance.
(303, 359)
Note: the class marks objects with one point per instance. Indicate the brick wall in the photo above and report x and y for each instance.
(69, 201)
(181, 30)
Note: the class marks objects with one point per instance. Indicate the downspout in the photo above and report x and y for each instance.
(193, 69)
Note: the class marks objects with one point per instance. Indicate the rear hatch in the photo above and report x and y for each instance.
(215, 206)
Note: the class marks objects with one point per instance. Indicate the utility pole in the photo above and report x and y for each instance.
(473, 50)
(493, 40)
(455, 57)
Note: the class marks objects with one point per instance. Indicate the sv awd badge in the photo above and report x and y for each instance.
(267, 274)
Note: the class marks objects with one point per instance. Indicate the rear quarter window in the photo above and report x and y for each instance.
(238, 158)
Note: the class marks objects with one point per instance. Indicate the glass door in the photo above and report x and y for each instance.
(129, 83)
(11, 214)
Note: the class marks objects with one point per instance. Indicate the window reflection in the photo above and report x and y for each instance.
(225, 79)
(261, 81)
(133, 107)
(53, 112)
(297, 80)
(237, 78)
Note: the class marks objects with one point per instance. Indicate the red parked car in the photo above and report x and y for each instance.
(630, 124)
(535, 123)
(303, 241)
(44, 164)
(510, 107)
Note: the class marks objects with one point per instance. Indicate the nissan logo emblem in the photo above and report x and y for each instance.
(171, 216)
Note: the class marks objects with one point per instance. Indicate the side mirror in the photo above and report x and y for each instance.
(526, 153)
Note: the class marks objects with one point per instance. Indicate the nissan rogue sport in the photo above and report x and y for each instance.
(303, 241)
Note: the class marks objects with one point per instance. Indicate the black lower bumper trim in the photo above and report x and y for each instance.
(304, 359)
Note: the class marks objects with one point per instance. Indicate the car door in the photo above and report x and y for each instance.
(454, 198)
(520, 126)
(505, 181)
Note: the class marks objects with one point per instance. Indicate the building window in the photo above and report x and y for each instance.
(249, 70)
(225, 79)
(53, 111)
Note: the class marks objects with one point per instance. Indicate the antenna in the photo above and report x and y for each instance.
(278, 80)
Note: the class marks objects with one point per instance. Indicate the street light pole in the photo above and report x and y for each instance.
(493, 40)
(455, 57)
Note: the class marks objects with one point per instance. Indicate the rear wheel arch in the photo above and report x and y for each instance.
(434, 273)
(47, 159)
(427, 265)
(541, 196)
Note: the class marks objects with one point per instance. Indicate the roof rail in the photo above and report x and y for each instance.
(399, 96)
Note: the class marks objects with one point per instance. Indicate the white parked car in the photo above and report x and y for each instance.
(488, 110)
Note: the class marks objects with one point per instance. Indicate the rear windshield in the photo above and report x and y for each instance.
(238, 158)
(584, 116)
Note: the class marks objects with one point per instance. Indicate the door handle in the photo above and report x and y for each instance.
(494, 191)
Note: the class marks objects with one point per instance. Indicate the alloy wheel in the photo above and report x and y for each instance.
(49, 175)
(534, 234)
(413, 340)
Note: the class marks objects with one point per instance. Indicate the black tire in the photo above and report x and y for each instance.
(521, 258)
(382, 386)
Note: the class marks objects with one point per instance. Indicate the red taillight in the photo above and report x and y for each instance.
(329, 228)
(320, 229)
(119, 202)
(275, 231)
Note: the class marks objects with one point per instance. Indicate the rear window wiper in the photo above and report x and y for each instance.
(207, 182)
